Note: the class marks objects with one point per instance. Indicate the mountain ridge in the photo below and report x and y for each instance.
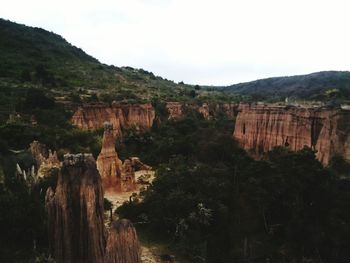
(307, 86)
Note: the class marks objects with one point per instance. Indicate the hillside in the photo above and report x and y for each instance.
(316, 86)
(35, 58)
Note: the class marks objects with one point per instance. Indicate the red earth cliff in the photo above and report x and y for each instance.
(177, 109)
(93, 116)
(260, 128)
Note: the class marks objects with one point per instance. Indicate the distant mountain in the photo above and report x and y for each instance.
(312, 86)
(35, 58)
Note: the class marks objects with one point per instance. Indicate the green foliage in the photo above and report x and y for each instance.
(315, 86)
(209, 200)
(37, 58)
(23, 223)
(172, 138)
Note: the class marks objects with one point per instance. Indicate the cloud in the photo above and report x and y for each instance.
(206, 42)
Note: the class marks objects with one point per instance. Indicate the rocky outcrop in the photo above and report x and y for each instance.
(204, 110)
(116, 176)
(139, 116)
(45, 159)
(122, 244)
(108, 163)
(138, 165)
(259, 128)
(75, 212)
(175, 110)
(121, 116)
(77, 233)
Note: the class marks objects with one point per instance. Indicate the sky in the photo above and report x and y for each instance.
(218, 42)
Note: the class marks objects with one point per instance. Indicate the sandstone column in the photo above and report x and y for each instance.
(75, 212)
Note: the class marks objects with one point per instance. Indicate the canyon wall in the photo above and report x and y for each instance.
(177, 109)
(141, 116)
(260, 128)
(93, 116)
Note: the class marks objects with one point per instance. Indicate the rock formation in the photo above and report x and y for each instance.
(93, 116)
(175, 109)
(138, 165)
(75, 212)
(116, 176)
(122, 244)
(259, 128)
(139, 116)
(204, 110)
(45, 159)
(128, 177)
(108, 163)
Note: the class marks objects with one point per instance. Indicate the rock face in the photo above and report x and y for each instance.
(108, 163)
(175, 109)
(140, 116)
(45, 159)
(93, 116)
(204, 110)
(75, 212)
(122, 244)
(259, 128)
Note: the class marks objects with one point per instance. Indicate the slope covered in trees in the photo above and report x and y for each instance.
(317, 86)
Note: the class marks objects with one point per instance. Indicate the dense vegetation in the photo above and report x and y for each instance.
(213, 203)
(321, 86)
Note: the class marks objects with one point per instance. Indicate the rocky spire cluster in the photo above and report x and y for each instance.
(77, 233)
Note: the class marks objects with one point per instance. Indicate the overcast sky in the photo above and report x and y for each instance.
(214, 42)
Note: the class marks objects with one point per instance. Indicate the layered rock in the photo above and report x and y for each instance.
(75, 212)
(260, 128)
(45, 159)
(108, 163)
(93, 116)
(122, 244)
(139, 116)
(177, 110)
